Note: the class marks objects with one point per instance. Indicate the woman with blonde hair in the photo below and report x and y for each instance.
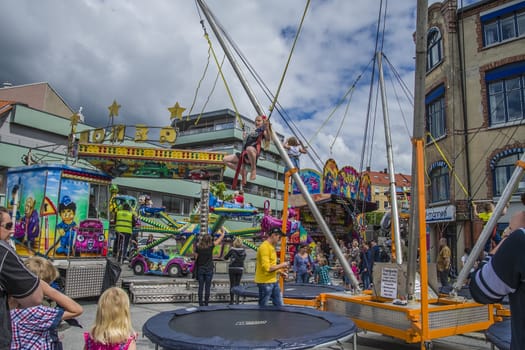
(237, 255)
(112, 329)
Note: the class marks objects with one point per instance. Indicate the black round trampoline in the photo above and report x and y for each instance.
(247, 327)
(290, 290)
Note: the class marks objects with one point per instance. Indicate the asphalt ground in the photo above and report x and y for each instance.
(73, 337)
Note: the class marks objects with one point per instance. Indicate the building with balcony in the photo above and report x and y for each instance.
(222, 131)
(475, 114)
(35, 117)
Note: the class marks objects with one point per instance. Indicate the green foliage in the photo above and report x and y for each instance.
(219, 190)
(374, 217)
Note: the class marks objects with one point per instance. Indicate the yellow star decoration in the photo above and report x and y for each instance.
(113, 109)
(75, 118)
(176, 111)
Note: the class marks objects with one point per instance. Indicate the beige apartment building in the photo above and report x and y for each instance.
(475, 114)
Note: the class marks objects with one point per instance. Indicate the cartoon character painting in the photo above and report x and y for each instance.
(67, 227)
(30, 223)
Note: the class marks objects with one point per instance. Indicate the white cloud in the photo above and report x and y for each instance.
(150, 54)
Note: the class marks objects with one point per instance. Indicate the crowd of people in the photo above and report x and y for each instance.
(317, 263)
(33, 308)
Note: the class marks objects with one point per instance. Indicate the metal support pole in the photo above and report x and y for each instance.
(418, 134)
(390, 160)
(489, 226)
(284, 155)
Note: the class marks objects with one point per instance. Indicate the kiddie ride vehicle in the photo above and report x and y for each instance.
(160, 263)
(90, 237)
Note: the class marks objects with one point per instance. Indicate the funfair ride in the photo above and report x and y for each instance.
(408, 310)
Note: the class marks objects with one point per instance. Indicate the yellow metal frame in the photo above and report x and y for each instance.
(419, 332)
(154, 154)
(418, 314)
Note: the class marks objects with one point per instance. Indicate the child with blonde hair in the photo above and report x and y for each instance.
(112, 329)
(37, 327)
(294, 150)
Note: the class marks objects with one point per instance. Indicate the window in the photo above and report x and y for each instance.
(434, 54)
(385, 204)
(435, 110)
(502, 168)
(503, 24)
(506, 93)
(176, 205)
(439, 184)
(222, 126)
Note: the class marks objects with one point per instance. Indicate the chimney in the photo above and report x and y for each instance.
(384, 171)
(368, 169)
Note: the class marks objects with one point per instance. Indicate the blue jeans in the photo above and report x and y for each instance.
(204, 279)
(270, 290)
(302, 277)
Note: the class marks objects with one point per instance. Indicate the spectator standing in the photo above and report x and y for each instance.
(502, 273)
(443, 262)
(355, 252)
(464, 257)
(112, 328)
(16, 280)
(237, 255)
(376, 251)
(302, 265)
(124, 229)
(266, 270)
(37, 327)
(367, 263)
(322, 275)
(204, 265)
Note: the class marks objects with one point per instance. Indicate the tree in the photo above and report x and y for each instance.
(219, 190)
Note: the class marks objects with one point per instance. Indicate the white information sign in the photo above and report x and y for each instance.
(389, 282)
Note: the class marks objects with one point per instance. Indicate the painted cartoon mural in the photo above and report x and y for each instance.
(312, 180)
(42, 229)
(346, 182)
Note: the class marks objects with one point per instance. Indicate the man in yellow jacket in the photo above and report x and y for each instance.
(123, 229)
(266, 270)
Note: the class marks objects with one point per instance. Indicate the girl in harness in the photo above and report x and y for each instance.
(294, 150)
(251, 150)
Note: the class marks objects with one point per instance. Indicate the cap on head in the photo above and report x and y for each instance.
(276, 231)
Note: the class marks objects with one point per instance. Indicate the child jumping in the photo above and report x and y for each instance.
(294, 150)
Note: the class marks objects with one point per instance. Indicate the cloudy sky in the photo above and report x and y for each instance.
(148, 55)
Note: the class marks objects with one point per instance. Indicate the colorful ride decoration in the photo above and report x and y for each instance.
(346, 182)
(162, 163)
(268, 222)
(53, 216)
(226, 208)
(159, 263)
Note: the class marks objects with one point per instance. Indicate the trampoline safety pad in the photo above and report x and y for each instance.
(247, 327)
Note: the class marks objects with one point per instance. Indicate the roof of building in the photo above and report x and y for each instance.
(39, 96)
(382, 178)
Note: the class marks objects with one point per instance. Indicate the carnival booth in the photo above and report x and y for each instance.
(60, 213)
